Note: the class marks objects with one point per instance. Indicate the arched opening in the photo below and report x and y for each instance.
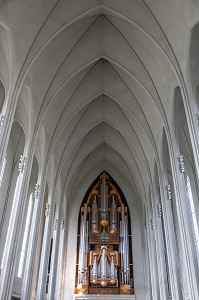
(2, 95)
(104, 246)
(187, 167)
(186, 151)
(28, 219)
(159, 201)
(173, 218)
(5, 61)
(9, 181)
(39, 243)
(193, 212)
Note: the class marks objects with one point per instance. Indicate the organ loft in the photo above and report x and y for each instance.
(104, 260)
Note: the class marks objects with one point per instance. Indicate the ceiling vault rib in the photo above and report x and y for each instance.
(66, 59)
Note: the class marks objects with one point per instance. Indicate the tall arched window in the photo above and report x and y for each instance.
(7, 235)
(193, 213)
(2, 95)
(2, 170)
(25, 237)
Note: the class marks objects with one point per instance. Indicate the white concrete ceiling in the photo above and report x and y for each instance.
(95, 79)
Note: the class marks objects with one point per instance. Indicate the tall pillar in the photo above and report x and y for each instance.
(160, 255)
(49, 213)
(59, 271)
(54, 261)
(6, 121)
(15, 225)
(150, 226)
(33, 238)
(192, 122)
(170, 240)
(187, 235)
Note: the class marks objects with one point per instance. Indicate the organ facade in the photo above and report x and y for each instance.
(104, 260)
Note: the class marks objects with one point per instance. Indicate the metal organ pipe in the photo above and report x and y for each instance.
(126, 254)
(83, 246)
(104, 198)
(95, 269)
(103, 266)
(113, 221)
(122, 243)
(104, 203)
(113, 270)
(94, 224)
(127, 251)
(124, 248)
(99, 270)
(86, 245)
(121, 251)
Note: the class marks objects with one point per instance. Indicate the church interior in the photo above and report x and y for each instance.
(99, 149)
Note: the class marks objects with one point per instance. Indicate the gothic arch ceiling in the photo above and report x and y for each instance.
(99, 77)
(93, 165)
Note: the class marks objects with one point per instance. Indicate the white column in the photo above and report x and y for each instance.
(59, 271)
(33, 239)
(55, 258)
(192, 122)
(160, 256)
(6, 121)
(15, 225)
(45, 249)
(152, 261)
(170, 239)
(189, 249)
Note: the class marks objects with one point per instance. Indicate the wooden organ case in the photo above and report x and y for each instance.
(104, 259)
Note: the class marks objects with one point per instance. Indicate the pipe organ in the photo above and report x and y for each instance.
(104, 262)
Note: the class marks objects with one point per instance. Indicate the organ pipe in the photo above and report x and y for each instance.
(124, 248)
(113, 270)
(82, 252)
(94, 226)
(94, 269)
(113, 218)
(104, 202)
(103, 266)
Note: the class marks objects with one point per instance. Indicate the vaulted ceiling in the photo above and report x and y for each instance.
(95, 80)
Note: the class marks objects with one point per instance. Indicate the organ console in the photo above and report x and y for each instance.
(104, 262)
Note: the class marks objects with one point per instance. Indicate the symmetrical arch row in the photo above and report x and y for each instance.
(159, 199)
(92, 88)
